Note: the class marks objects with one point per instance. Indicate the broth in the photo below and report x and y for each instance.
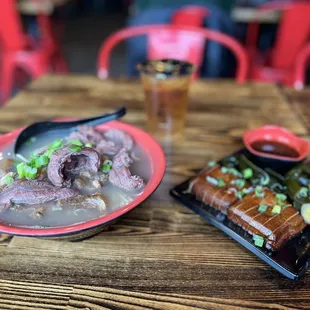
(275, 148)
(115, 197)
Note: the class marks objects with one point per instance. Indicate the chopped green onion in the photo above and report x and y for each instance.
(247, 173)
(240, 183)
(221, 183)
(56, 144)
(33, 155)
(106, 168)
(108, 162)
(88, 145)
(259, 191)
(49, 153)
(303, 192)
(41, 161)
(258, 240)
(211, 163)
(8, 180)
(224, 170)
(276, 209)
(77, 142)
(280, 198)
(212, 180)
(262, 208)
(245, 191)
(21, 170)
(234, 172)
(31, 173)
(239, 195)
(74, 148)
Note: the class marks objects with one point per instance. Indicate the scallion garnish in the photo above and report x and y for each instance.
(49, 153)
(303, 192)
(88, 145)
(107, 166)
(224, 170)
(258, 240)
(264, 180)
(211, 163)
(234, 172)
(221, 183)
(31, 173)
(74, 148)
(56, 144)
(259, 191)
(41, 161)
(280, 198)
(212, 180)
(8, 180)
(262, 208)
(239, 195)
(21, 170)
(247, 173)
(240, 183)
(276, 209)
(77, 142)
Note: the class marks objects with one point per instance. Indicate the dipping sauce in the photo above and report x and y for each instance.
(276, 148)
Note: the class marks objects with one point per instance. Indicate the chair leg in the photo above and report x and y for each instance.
(7, 78)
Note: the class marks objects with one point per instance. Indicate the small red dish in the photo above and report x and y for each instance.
(277, 135)
(86, 229)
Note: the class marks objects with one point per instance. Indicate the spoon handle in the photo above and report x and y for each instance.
(94, 121)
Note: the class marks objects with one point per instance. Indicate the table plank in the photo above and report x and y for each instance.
(160, 255)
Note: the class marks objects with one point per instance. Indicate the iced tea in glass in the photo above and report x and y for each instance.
(166, 83)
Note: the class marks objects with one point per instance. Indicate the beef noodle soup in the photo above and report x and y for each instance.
(67, 180)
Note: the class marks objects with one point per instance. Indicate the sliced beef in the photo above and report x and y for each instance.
(120, 174)
(217, 197)
(109, 142)
(95, 201)
(32, 192)
(65, 165)
(120, 138)
(276, 229)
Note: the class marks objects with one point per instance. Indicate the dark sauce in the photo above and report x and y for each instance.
(275, 148)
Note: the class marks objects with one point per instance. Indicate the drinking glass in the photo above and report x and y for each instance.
(166, 83)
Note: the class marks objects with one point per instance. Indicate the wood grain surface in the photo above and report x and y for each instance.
(160, 255)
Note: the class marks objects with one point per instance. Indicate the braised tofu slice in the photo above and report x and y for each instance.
(218, 188)
(264, 216)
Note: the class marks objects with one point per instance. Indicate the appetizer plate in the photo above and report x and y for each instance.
(86, 229)
(292, 260)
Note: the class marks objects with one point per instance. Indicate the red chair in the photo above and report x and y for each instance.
(278, 64)
(19, 51)
(171, 48)
(302, 63)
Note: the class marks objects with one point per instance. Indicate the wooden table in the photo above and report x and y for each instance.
(160, 255)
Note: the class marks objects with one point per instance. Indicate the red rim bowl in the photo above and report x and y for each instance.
(156, 157)
(276, 134)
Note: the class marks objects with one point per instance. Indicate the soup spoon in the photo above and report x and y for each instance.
(62, 128)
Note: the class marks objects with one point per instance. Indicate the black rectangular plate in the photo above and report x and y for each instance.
(292, 260)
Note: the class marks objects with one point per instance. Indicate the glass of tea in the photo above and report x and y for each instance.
(166, 83)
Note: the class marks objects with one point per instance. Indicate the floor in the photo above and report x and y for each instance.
(83, 37)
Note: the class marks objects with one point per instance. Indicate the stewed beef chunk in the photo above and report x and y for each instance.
(120, 174)
(32, 192)
(66, 164)
(120, 138)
